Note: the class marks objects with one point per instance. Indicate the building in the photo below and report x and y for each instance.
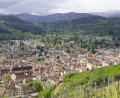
(4, 71)
(20, 74)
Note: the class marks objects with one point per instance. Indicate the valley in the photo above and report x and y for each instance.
(53, 56)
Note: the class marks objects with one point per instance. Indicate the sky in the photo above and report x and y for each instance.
(45, 7)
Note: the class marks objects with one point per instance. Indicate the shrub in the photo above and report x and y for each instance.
(46, 93)
(37, 86)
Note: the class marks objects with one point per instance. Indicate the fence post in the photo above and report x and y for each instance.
(80, 91)
(53, 96)
(110, 92)
(60, 95)
(72, 96)
(103, 82)
(84, 93)
(64, 92)
(101, 88)
(108, 83)
(96, 89)
(77, 95)
(104, 95)
(118, 91)
(68, 92)
(88, 93)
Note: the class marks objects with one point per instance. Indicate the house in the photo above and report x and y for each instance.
(4, 71)
(81, 69)
(54, 51)
(81, 56)
(19, 74)
(90, 66)
(105, 63)
(21, 77)
(119, 55)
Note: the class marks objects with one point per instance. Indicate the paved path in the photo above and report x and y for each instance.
(57, 89)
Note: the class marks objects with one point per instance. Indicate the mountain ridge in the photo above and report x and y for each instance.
(62, 16)
(113, 13)
(51, 17)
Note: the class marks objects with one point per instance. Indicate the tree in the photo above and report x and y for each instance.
(46, 92)
(6, 78)
(38, 47)
(22, 47)
(37, 86)
(4, 61)
(67, 50)
(39, 59)
(11, 55)
(93, 51)
(92, 68)
(56, 46)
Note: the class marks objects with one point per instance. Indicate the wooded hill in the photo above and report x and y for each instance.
(15, 28)
(91, 25)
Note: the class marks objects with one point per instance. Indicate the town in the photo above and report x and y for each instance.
(49, 59)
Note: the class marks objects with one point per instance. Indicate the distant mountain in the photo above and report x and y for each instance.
(27, 17)
(1, 14)
(62, 16)
(52, 17)
(115, 15)
(107, 13)
(14, 28)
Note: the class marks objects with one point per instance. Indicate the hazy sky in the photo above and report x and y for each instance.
(44, 7)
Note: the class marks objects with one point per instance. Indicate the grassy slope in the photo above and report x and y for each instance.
(71, 81)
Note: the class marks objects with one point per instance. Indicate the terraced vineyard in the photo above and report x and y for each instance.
(109, 91)
(98, 83)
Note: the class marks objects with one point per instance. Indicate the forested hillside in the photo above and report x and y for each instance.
(93, 25)
(14, 28)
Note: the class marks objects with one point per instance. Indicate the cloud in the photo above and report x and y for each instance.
(44, 7)
(7, 3)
